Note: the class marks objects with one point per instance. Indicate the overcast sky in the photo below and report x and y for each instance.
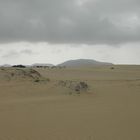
(52, 31)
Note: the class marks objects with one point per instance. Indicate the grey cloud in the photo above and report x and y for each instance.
(13, 53)
(26, 51)
(65, 21)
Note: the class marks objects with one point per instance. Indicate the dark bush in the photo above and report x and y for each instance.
(37, 80)
(83, 85)
(112, 68)
(19, 66)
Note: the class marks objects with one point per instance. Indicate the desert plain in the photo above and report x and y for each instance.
(48, 109)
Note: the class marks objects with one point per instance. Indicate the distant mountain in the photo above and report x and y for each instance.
(42, 64)
(83, 63)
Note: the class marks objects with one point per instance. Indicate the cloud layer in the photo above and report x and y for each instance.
(29, 53)
(70, 21)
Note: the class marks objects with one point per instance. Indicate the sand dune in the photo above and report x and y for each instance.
(107, 110)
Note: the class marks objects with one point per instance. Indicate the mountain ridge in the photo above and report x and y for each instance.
(82, 63)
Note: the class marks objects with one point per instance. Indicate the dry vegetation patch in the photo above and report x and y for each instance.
(33, 76)
(19, 74)
(74, 86)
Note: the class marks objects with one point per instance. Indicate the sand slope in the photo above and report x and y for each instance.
(109, 110)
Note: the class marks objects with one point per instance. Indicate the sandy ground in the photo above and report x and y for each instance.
(43, 111)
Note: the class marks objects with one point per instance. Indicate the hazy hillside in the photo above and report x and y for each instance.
(83, 62)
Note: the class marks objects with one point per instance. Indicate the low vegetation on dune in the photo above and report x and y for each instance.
(19, 74)
(74, 86)
(32, 75)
